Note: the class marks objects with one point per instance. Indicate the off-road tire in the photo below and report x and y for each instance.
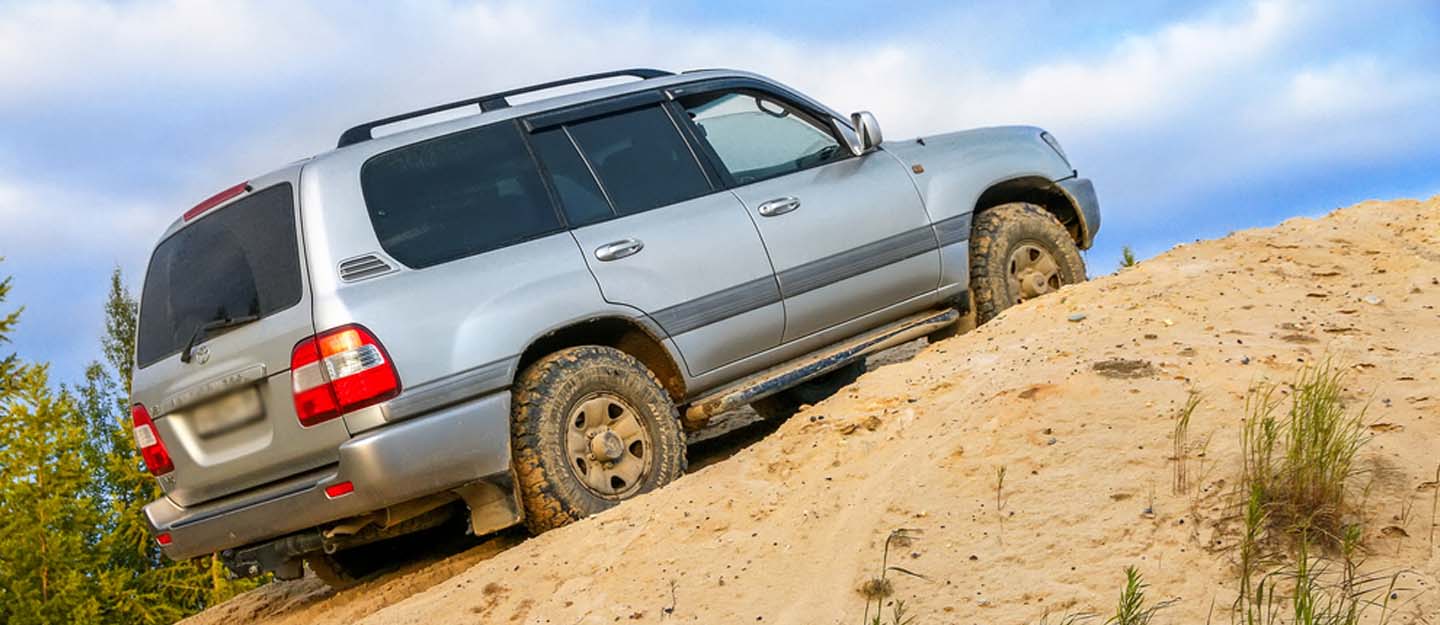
(788, 402)
(334, 570)
(1001, 230)
(544, 397)
(352, 566)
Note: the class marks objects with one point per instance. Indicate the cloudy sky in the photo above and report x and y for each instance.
(1193, 119)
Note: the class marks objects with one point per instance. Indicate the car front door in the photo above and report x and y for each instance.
(848, 236)
(659, 234)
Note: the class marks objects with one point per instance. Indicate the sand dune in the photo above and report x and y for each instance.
(1079, 414)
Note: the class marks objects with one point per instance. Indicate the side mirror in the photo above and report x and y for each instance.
(868, 129)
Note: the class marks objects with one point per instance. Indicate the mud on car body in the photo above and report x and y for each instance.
(515, 316)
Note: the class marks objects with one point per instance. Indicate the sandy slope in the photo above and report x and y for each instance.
(786, 530)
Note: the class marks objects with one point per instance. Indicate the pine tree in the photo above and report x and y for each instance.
(47, 509)
(74, 545)
(144, 587)
(8, 362)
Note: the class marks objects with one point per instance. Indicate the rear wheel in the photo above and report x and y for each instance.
(591, 427)
(436, 533)
(789, 401)
(1018, 252)
(338, 570)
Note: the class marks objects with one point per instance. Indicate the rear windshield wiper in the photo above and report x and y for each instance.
(211, 326)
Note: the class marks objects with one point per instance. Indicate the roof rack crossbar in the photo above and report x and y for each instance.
(491, 102)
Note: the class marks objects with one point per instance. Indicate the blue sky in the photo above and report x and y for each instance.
(1193, 119)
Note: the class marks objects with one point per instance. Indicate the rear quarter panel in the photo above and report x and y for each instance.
(476, 314)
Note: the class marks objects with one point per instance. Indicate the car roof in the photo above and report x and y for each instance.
(522, 109)
(376, 145)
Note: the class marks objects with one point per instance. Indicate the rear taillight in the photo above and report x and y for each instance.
(339, 371)
(147, 438)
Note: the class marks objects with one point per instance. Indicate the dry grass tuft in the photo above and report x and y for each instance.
(1180, 443)
(1296, 486)
(1298, 466)
(1131, 608)
(879, 588)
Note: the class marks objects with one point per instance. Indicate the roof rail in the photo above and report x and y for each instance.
(491, 102)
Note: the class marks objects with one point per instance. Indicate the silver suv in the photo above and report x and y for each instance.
(515, 316)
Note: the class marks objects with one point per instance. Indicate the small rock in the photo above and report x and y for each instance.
(1076, 317)
(1052, 441)
(1244, 360)
(1373, 300)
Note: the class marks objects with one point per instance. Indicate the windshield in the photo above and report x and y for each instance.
(241, 260)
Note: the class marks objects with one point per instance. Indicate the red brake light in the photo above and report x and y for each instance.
(339, 490)
(147, 438)
(164, 539)
(340, 371)
(214, 200)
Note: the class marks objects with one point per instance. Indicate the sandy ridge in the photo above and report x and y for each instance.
(786, 530)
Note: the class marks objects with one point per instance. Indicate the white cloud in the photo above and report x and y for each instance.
(1254, 93)
(38, 221)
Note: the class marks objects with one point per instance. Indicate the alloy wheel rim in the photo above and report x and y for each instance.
(608, 447)
(1032, 272)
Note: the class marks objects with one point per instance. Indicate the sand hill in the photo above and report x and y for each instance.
(1074, 396)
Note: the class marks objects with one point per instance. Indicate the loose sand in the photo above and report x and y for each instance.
(1079, 414)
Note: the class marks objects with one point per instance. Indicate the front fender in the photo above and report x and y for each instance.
(956, 168)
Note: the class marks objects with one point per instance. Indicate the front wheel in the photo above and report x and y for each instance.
(591, 427)
(1018, 252)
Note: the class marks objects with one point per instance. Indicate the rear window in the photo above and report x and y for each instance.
(240, 260)
(456, 196)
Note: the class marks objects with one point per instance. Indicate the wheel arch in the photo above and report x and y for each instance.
(1044, 193)
(629, 335)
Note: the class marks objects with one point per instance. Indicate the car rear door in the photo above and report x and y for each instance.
(227, 416)
(658, 234)
(848, 236)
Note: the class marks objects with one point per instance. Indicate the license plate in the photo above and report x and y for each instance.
(227, 413)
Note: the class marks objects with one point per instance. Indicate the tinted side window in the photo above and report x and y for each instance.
(640, 159)
(580, 196)
(457, 195)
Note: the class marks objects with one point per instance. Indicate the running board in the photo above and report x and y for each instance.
(788, 374)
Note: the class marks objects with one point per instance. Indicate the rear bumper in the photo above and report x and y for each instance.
(411, 459)
(1082, 193)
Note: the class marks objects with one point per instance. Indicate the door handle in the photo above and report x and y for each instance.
(619, 249)
(779, 206)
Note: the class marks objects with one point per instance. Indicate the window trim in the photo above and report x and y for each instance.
(561, 225)
(753, 87)
(590, 110)
(656, 99)
(549, 180)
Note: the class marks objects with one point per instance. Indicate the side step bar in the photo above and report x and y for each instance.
(788, 374)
